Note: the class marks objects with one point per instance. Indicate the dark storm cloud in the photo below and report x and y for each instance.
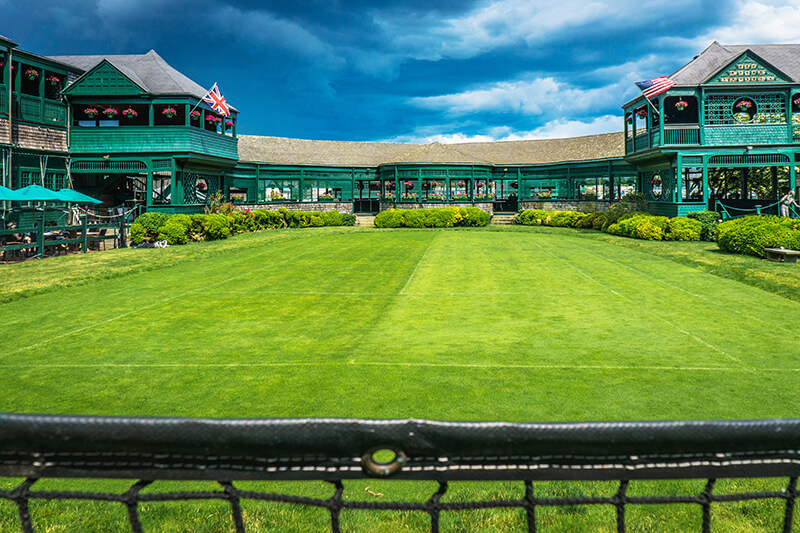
(379, 70)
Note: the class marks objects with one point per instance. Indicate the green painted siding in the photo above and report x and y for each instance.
(748, 134)
(103, 80)
(156, 139)
(747, 69)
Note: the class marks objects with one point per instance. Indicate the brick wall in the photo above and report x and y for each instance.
(342, 207)
(39, 138)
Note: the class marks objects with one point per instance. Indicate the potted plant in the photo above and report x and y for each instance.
(435, 197)
(326, 197)
(130, 113)
(195, 115)
(276, 196)
(409, 196)
(54, 80)
(169, 112)
(641, 113)
(110, 112)
(211, 119)
(629, 118)
(408, 185)
(387, 196)
(91, 112)
(680, 105)
(460, 197)
(744, 105)
(460, 184)
(228, 124)
(32, 74)
(435, 184)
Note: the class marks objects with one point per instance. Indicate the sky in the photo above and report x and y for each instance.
(412, 70)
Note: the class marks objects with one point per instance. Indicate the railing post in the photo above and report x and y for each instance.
(121, 237)
(40, 251)
(85, 237)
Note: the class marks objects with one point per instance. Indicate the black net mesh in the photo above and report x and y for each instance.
(233, 452)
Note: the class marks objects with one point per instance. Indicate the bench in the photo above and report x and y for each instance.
(782, 255)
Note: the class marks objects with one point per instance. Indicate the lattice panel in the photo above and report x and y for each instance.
(770, 109)
(193, 195)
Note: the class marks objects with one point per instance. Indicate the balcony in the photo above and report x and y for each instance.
(155, 139)
(37, 110)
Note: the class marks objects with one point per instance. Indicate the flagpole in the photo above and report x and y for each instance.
(201, 98)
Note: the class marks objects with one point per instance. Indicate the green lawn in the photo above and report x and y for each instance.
(523, 324)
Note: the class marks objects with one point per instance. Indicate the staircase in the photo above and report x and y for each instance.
(365, 220)
(502, 220)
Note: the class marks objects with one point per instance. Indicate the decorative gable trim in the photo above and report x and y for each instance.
(748, 68)
(104, 80)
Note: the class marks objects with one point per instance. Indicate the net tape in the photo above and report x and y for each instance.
(36, 447)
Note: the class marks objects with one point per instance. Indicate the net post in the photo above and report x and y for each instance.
(530, 506)
(705, 500)
(791, 498)
(619, 501)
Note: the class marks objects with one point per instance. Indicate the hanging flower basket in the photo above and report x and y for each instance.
(195, 115)
(228, 124)
(32, 74)
(435, 184)
(460, 184)
(744, 105)
(110, 112)
(408, 184)
(130, 113)
(211, 119)
(91, 112)
(642, 113)
(169, 112)
(53, 80)
(680, 105)
(656, 181)
(629, 118)
(201, 185)
(389, 184)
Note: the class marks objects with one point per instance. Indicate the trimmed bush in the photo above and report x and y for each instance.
(216, 227)
(445, 217)
(683, 229)
(149, 225)
(709, 221)
(751, 234)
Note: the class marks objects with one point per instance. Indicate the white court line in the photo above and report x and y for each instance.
(399, 364)
(690, 293)
(203, 287)
(414, 272)
(654, 315)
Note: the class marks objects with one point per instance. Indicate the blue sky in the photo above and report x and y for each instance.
(414, 71)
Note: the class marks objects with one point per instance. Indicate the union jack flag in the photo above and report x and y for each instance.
(655, 86)
(217, 101)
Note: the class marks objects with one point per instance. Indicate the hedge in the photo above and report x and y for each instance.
(445, 217)
(181, 229)
(751, 234)
(635, 225)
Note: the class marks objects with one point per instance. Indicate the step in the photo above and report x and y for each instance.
(365, 220)
(500, 220)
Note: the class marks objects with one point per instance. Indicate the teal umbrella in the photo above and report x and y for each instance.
(8, 195)
(74, 197)
(37, 193)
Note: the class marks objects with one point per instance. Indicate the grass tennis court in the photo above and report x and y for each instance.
(531, 324)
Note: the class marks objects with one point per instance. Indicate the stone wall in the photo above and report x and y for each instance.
(584, 206)
(342, 207)
(39, 138)
(486, 206)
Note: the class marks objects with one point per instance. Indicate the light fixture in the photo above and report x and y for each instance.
(106, 157)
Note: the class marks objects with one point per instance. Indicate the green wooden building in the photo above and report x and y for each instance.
(725, 136)
(132, 130)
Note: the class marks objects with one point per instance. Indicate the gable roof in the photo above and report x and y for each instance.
(283, 151)
(149, 71)
(784, 57)
(8, 42)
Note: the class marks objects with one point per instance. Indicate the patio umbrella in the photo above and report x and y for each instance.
(8, 195)
(75, 197)
(37, 193)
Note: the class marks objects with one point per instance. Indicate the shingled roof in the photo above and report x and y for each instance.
(149, 71)
(283, 151)
(784, 57)
(7, 41)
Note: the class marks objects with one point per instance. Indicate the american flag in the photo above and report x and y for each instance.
(217, 101)
(655, 86)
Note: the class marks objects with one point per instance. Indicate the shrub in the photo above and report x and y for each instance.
(348, 219)
(444, 217)
(216, 227)
(151, 223)
(175, 231)
(683, 229)
(565, 219)
(640, 226)
(266, 219)
(751, 234)
(137, 233)
(709, 221)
